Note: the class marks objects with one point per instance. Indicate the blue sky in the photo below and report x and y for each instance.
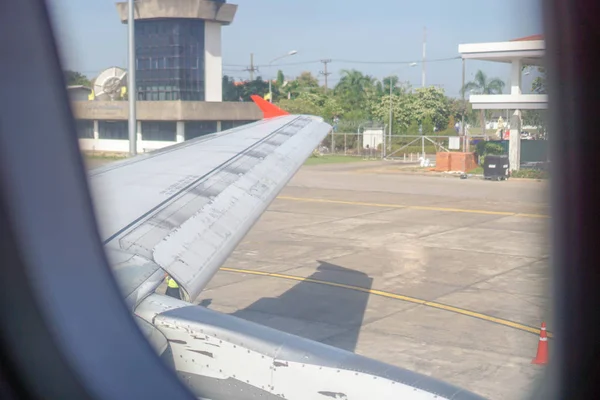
(92, 38)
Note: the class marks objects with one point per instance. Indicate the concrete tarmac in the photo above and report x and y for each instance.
(444, 276)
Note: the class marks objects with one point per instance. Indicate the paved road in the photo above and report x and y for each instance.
(453, 274)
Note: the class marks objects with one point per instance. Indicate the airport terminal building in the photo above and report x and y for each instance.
(178, 80)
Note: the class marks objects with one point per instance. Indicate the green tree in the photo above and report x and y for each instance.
(307, 80)
(299, 106)
(401, 111)
(413, 128)
(431, 102)
(456, 107)
(258, 87)
(427, 126)
(230, 91)
(74, 78)
(280, 78)
(355, 89)
(536, 118)
(398, 88)
(427, 106)
(304, 83)
(484, 85)
(331, 108)
(318, 104)
(539, 83)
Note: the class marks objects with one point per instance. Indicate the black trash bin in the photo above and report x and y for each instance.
(495, 167)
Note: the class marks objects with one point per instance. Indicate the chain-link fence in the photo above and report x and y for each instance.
(372, 144)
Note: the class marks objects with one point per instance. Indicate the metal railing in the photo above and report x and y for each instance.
(407, 148)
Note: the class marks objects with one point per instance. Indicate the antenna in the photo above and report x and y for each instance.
(424, 55)
(108, 84)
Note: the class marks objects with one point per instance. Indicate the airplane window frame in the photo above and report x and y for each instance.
(59, 293)
(34, 109)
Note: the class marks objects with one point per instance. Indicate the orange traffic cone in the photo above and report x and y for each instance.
(542, 350)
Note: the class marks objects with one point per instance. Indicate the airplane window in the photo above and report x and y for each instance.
(322, 198)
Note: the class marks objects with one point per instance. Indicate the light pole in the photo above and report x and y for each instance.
(391, 112)
(291, 53)
(132, 94)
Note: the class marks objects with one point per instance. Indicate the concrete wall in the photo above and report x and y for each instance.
(198, 9)
(213, 68)
(168, 110)
(143, 146)
(120, 146)
(79, 94)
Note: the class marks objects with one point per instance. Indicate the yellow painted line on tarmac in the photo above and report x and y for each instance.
(384, 205)
(432, 304)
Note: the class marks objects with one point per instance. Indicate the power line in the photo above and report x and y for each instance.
(397, 62)
(285, 64)
(337, 60)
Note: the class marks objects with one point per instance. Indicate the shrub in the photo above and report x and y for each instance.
(446, 132)
(484, 148)
(493, 148)
(530, 173)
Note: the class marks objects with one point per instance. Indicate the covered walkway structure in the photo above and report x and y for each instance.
(527, 51)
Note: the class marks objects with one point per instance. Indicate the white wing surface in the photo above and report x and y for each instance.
(186, 207)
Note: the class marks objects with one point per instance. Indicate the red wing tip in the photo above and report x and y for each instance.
(268, 109)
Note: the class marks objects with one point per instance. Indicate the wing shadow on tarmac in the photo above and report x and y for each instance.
(324, 313)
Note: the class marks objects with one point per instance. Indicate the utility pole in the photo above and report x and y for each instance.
(464, 110)
(391, 119)
(424, 55)
(132, 92)
(324, 72)
(252, 68)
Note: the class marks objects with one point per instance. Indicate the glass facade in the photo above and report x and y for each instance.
(85, 129)
(193, 129)
(170, 59)
(159, 131)
(113, 130)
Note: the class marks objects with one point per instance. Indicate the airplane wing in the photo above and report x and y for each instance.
(183, 209)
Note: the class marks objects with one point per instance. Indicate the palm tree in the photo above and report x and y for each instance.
(482, 85)
(390, 80)
(354, 87)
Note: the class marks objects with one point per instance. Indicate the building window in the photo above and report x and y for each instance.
(199, 128)
(159, 131)
(113, 130)
(170, 59)
(233, 124)
(85, 129)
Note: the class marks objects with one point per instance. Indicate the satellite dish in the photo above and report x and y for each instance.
(108, 83)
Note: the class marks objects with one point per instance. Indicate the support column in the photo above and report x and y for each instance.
(219, 129)
(140, 143)
(213, 67)
(180, 137)
(514, 146)
(96, 134)
(515, 77)
(464, 110)
(514, 143)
